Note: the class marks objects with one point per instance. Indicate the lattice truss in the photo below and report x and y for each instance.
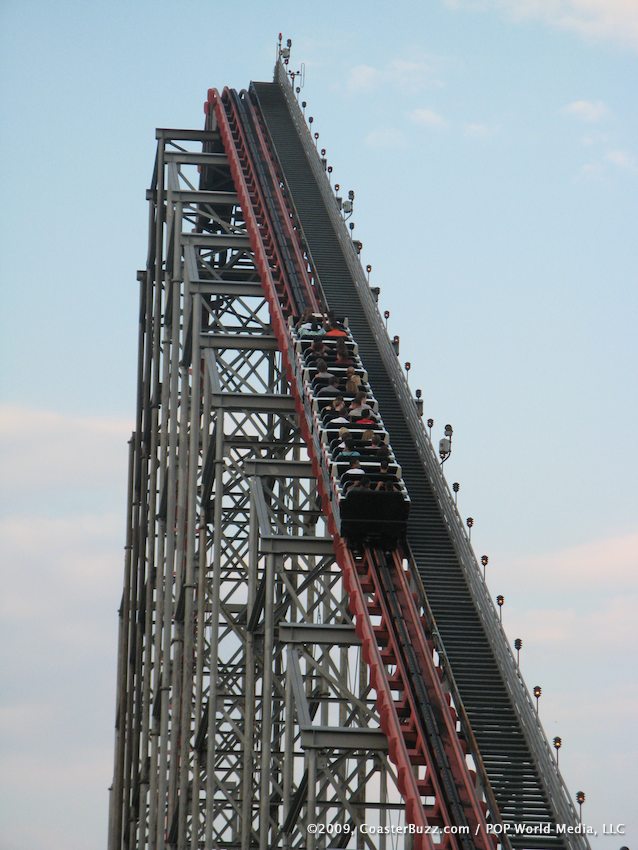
(244, 711)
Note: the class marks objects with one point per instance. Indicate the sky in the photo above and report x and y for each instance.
(492, 147)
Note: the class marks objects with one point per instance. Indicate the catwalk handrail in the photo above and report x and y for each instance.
(540, 749)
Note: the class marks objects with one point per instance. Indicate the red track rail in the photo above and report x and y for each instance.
(294, 235)
(268, 243)
(408, 746)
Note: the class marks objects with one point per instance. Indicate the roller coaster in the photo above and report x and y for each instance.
(308, 654)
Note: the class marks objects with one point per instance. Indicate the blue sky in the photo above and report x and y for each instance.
(492, 149)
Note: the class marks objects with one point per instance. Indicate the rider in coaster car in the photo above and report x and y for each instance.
(330, 390)
(335, 410)
(304, 319)
(348, 452)
(352, 477)
(312, 330)
(358, 403)
(333, 331)
(317, 351)
(322, 375)
(352, 381)
(367, 417)
(389, 484)
(342, 355)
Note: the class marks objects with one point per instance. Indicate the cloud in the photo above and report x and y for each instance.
(594, 137)
(623, 159)
(385, 137)
(363, 78)
(408, 74)
(47, 454)
(62, 562)
(593, 565)
(591, 171)
(477, 130)
(595, 20)
(591, 111)
(427, 118)
(609, 626)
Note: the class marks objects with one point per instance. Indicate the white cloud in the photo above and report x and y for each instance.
(591, 111)
(46, 452)
(477, 130)
(408, 74)
(594, 137)
(427, 118)
(609, 626)
(591, 171)
(385, 137)
(623, 159)
(615, 20)
(593, 565)
(363, 78)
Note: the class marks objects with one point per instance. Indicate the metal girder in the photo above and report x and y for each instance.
(228, 560)
(241, 342)
(225, 287)
(337, 634)
(214, 241)
(188, 196)
(196, 158)
(256, 401)
(342, 738)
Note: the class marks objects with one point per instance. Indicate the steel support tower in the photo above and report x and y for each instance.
(266, 692)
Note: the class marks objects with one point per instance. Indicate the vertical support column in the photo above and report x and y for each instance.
(249, 703)
(266, 710)
(116, 797)
(214, 631)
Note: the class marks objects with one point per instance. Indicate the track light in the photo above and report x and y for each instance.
(580, 799)
(500, 601)
(537, 695)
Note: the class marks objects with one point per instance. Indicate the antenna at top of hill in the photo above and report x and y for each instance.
(297, 78)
